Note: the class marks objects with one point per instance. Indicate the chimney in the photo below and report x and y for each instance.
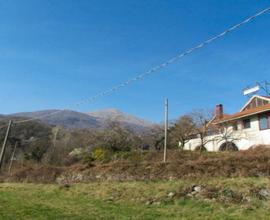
(219, 111)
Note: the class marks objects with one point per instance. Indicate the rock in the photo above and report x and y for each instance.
(247, 199)
(77, 177)
(157, 203)
(260, 174)
(189, 195)
(197, 189)
(149, 202)
(61, 180)
(193, 193)
(171, 194)
(264, 193)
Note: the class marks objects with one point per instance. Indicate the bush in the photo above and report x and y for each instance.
(100, 154)
(122, 155)
(88, 159)
(132, 156)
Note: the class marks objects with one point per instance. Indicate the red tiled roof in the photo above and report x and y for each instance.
(242, 114)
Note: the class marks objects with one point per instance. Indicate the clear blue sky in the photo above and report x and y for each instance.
(54, 53)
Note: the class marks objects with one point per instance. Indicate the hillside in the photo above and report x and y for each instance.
(148, 166)
(126, 120)
(95, 120)
(66, 118)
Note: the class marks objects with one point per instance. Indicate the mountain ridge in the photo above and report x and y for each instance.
(92, 120)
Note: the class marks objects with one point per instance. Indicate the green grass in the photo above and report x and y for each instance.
(127, 200)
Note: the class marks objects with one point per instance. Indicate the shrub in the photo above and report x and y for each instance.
(132, 156)
(100, 154)
(88, 159)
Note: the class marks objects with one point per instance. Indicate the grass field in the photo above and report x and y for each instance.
(136, 200)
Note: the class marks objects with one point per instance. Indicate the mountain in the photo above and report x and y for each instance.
(95, 120)
(66, 118)
(124, 119)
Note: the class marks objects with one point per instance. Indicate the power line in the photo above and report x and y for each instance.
(156, 68)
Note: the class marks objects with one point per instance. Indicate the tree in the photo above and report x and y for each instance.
(228, 135)
(203, 126)
(33, 138)
(154, 137)
(117, 138)
(181, 131)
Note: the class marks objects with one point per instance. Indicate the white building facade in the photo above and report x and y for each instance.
(248, 128)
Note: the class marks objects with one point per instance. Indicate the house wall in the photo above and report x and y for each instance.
(242, 138)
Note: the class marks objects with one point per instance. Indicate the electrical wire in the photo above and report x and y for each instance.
(154, 69)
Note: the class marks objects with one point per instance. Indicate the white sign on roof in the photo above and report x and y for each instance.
(251, 90)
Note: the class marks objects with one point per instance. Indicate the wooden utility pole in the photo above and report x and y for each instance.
(12, 157)
(55, 133)
(5, 144)
(166, 130)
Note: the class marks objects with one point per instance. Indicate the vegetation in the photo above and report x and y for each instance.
(145, 166)
(33, 139)
(181, 131)
(116, 174)
(44, 144)
(218, 199)
(52, 145)
(100, 154)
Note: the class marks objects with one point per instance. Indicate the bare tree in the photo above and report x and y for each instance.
(203, 126)
(228, 135)
(117, 138)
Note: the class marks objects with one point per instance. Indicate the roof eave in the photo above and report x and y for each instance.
(250, 100)
(239, 117)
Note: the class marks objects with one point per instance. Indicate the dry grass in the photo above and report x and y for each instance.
(149, 166)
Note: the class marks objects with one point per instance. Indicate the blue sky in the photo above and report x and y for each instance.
(54, 53)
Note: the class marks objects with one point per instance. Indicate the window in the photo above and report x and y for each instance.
(264, 122)
(246, 123)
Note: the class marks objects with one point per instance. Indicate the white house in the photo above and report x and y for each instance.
(240, 131)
